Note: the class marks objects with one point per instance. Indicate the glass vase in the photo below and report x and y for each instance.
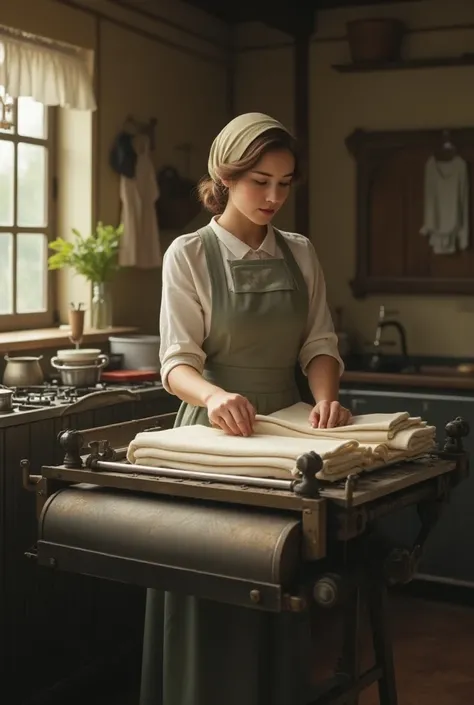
(101, 309)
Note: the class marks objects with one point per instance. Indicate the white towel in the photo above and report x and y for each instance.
(262, 455)
(389, 438)
(368, 443)
(367, 427)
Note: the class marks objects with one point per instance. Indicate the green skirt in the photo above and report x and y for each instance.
(198, 652)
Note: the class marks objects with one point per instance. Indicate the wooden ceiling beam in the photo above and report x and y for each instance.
(288, 16)
(292, 19)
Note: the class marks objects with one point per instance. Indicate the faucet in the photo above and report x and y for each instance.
(383, 322)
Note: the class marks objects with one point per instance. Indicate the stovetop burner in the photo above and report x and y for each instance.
(51, 394)
(55, 394)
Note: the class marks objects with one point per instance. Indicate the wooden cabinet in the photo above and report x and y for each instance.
(392, 256)
(55, 624)
(449, 551)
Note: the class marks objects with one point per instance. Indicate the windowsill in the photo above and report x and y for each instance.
(53, 337)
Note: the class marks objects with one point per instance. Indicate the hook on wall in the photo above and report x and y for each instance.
(447, 149)
(141, 127)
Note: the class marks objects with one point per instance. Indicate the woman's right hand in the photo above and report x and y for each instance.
(233, 413)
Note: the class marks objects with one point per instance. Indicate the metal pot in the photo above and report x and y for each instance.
(23, 371)
(80, 375)
(6, 400)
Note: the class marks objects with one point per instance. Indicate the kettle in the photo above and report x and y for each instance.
(23, 371)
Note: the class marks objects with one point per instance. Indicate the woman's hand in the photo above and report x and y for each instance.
(329, 414)
(233, 413)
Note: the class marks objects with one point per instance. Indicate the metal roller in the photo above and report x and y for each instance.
(216, 551)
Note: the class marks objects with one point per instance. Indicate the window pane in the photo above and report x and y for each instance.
(32, 180)
(31, 118)
(7, 172)
(6, 273)
(31, 267)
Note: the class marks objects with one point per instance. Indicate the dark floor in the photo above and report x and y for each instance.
(434, 656)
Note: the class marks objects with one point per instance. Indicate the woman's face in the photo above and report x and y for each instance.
(261, 192)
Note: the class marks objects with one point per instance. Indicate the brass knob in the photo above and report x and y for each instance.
(255, 596)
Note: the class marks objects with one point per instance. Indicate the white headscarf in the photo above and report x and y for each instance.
(232, 141)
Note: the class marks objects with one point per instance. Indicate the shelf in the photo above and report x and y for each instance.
(46, 338)
(402, 65)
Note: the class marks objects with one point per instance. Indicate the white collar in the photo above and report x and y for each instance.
(238, 248)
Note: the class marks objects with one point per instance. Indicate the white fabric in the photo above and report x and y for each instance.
(48, 75)
(186, 308)
(211, 450)
(279, 439)
(140, 243)
(446, 205)
(232, 141)
(371, 427)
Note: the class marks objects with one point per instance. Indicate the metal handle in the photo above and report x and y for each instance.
(99, 363)
(94, 400)
(32, 552)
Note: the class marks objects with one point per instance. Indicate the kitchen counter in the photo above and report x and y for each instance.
(392, 379)
(46, 338)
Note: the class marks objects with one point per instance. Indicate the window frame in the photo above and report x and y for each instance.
(47, 318)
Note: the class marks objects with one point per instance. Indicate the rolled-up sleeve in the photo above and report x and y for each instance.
(320, 338)
(181, 316)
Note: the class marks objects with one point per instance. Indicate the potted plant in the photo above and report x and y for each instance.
(95, 257)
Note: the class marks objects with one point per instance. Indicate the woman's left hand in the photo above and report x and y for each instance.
(329, 414)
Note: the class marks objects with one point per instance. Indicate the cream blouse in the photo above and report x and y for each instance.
(186, 305)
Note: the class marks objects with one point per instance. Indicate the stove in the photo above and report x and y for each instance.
(54, 394)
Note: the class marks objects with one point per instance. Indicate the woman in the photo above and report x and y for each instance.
(242, 303)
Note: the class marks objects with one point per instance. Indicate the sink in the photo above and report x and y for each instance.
(385, 366)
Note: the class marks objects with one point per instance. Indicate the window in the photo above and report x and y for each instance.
(26, 217)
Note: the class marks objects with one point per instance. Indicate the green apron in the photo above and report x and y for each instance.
(207, 653)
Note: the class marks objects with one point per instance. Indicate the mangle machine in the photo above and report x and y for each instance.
(276, 545)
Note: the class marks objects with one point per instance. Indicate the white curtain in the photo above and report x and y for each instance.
(49, 75)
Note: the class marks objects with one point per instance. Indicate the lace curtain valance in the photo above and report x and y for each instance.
(49, 73)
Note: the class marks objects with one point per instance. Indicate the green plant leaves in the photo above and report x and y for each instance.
(94, 257)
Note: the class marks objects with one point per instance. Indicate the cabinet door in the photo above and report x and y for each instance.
(380, 402)
(449, 550)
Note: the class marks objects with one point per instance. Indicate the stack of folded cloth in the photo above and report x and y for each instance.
(369, 442)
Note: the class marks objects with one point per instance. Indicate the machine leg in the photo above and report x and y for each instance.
(350, 662)
(382, 643)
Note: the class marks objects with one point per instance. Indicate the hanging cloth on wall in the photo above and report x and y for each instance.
(52, 74)
(446, 204)
(122, 157)
(140, 243)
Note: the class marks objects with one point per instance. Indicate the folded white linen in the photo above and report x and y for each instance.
(211, 450)
(397, 430)
(369, 442)
(298, 414)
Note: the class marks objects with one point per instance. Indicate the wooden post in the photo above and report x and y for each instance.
(302, 45)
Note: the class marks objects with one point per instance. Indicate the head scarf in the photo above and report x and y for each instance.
(232, 141)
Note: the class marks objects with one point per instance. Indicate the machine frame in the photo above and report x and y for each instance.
(342, 561)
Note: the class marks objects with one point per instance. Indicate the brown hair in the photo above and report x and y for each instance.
(213, 194)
